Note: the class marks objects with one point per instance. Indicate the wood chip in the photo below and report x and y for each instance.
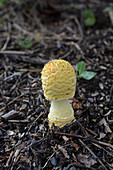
(101, 86)
(63, 151)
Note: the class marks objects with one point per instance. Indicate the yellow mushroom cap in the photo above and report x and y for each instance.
(58, 80)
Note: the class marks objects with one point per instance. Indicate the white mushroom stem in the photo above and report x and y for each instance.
(61, 112)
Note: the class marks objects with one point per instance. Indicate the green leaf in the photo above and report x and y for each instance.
(78, 76)
(90, 18)
(2, 2)
(24, 42)
(94, 120)
(25, 128)
(88, 75)
(90, 21)
(13, 144)
(107, 9)
(88, 14)
(106, 108)
(81, 66)
(108, 100)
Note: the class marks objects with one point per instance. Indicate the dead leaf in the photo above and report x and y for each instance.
(87, 160)
(65, 138)
(102, 135)
(63, 151)
(75, 104)
(107, 128)
(75, 145)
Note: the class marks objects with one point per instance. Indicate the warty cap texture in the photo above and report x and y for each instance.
(58, 80)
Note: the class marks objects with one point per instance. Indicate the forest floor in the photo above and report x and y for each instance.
(30, 36)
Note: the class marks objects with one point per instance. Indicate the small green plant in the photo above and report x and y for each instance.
(94, 120)
(20, 113)
(2, 2)
(109, 9)
(81, 66)
(106, 108)
(89, 18)
(1, 20)
(13, 144)
(24, 42)
(25, 128)
(108, 100)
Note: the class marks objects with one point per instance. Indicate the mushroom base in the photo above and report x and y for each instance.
(61, 113)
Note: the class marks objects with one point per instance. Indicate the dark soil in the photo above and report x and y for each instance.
(53, 31)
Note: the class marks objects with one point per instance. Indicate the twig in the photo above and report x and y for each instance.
(16, 52)
(29, 59)
(29, 70)
(102, 143)
(18, 27)
(79, 27)
(93, 133)
(6, 43)
(70, 135)
(83, 129)
(9, 159)
(15, 162)
(66, 55)
(100, 147)
(92, 153)
(35, 135)
(18, 121)
(81, 137)
(48, 160)
(12, 101)
(42, 113)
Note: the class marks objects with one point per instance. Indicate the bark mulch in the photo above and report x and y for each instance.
(31, 34)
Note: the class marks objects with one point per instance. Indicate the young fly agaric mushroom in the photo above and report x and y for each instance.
(59, 83)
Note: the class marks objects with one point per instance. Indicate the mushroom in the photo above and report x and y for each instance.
(59, 83)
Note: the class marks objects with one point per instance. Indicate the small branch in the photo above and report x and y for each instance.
(9, 159)
(18, 27)
(6, 43)
(66, 55)
(42, 113)
(48, 160)
(92, 154)
(81, 137)
(100, 147)
(102, 143)
(16, 52)
(27, 59)
(11, 102)
(18, 121)
(69, 135)
(79, 28)
(83, 129)
(29, 70)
